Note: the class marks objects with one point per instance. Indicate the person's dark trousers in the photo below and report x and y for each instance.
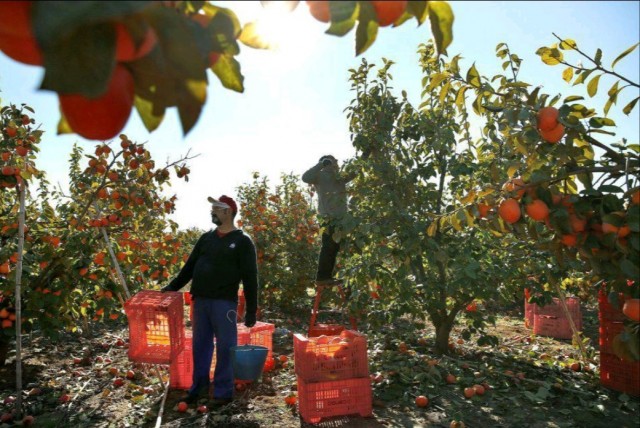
(328, 255)
(213, 317)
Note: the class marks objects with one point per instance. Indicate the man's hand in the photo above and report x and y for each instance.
(249, 319)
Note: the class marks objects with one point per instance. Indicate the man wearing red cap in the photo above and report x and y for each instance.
(219, 261)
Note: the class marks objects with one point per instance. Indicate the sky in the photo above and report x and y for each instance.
(292, 109)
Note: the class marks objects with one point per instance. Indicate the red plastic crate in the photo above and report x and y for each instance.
(547, 325)
(260, 334)
(553, 310)
(620, 375)
(608, 331)
(181, 369)
(318, 400)
(608, 312)
(187, 298)
(241, 305)
(331, 358)
(529, 310)
(156, 326)
(318, 330)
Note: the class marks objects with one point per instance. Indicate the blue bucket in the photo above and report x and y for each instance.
(248, 361)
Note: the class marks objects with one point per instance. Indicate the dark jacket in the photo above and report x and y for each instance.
(217, 265)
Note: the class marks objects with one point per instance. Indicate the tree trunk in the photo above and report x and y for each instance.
(4, 350)
(443, 330)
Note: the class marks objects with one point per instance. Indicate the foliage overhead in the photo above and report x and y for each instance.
(162, 50)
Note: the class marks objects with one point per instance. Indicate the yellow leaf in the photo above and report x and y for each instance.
(469, 198)
(431, 230)
(567, 74)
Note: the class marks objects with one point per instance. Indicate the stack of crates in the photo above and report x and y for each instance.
(615, 373)
(550, 320)
(156, 326)
(333, 375)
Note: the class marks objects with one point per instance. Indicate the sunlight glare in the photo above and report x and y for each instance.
(284, 31)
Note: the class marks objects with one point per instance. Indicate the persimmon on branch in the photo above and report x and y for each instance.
(104, 58)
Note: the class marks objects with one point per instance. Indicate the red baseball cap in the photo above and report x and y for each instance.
(225, 200)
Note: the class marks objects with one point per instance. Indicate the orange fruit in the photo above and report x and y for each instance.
(624, 231)
(17, 40)
(469, 392)
(319, 10)
(101, 118)
(4, 268)
(547, 118)
(509, 210)
(577, 224)
(537, 210)
(553, 135)
(126, 49)
(422, 401)
(631, 309)
(569, 240)
(483, 209)
(515, 185)
(388, 12)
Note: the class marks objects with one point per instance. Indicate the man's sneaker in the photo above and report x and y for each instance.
(193, 397)
(330, 281)
(219, 402)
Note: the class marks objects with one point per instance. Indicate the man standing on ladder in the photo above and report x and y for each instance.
(332, 205)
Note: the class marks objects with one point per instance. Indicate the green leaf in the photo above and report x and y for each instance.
(250, 37)
(493, 108)
(582, 77)
(629, 269)
(568, 44)
(81, 63)
(623, 54)
(614, 89)
(592, 86)
(441, 20)
(572, 98)
(343, 17)
(418, 9)
(599, 122)
(190, 99)
(567, 74)
(228, 71)
(598, 57)
(150, 120)
(367, 28)
(436, 79)
(629, 107)
(473, 78)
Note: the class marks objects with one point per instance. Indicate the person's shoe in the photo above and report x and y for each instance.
(329, 281)
(219, 402)
(194, 397)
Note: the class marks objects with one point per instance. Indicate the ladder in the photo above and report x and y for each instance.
(318, 329)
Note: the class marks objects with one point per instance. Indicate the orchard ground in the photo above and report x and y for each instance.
(529, 377)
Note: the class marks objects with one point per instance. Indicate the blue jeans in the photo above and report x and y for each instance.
(214, 318)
